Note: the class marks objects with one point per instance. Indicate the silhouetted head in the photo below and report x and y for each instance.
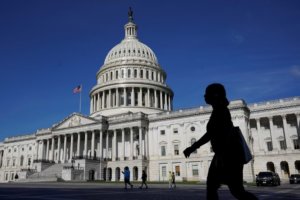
(215, 95)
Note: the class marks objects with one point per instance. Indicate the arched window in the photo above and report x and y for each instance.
(193, 140)
(135, 73)
(141, 73)
(22, 160)
(129, 73)
(122, 73)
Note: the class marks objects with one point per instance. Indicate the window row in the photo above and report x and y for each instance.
(131, 52)
(22, 163)
(175, 131)
(22, 149)
(176, 151)
(282, 144)
(132, 73)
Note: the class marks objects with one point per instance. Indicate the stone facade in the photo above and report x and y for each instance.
(132, 123)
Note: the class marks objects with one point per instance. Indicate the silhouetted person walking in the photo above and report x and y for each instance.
(127, 177)
(144, 179)
(173, 185)
(227, 165)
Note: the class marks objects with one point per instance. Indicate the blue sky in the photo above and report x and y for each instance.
(49, 47)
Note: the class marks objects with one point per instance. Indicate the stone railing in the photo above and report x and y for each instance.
(43, 161)
(86, 157)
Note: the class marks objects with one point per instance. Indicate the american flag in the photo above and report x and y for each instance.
(77, 89)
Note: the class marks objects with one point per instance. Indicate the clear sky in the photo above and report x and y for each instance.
(48, 47)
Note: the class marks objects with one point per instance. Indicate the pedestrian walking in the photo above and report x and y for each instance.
(126, 173)
(170, 179)
(227, 164)
(173, 180)
(144, 179)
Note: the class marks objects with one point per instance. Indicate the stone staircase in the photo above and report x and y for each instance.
(52, 173)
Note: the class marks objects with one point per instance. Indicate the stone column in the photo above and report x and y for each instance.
(52, 148)
(148, 97)
(298, 127)
(114, 146)
(100, 144)
(125, 96)
(42, 150)
(123, 143)
(95, 103)
(117, 98)
(103, 99)
(132, 96)
(131, 143)
(155, 99)
(146, 143)
(161, 100)
(58, 149)
(107, 136)
(91, 105)
(47, 150)
(109, 99)
(165, 105)
(93, 144)
(71, 147)
(78, 144)
(260, 139)
(287, 140)
(99, 100)
(65, 148)
(140, 103)
(272, 134)
(37, 149)
(85, 143)
(140, 141)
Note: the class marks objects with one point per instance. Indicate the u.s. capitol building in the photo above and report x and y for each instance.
(131, 123)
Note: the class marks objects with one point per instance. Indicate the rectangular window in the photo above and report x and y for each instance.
(162, 132)
(14, 162)
(195, 170)
(29, 161)
(163, 151)
(163, 171)
(7, 163)
(175, 130)
(282, 144)
(270, 146)
(296, 144)
(177, 170)
(176, 149)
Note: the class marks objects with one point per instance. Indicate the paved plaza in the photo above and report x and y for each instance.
(103, 191)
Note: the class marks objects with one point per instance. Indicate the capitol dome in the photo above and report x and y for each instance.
(130, 80)
(130, 48)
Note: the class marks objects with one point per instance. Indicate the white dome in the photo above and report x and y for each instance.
(130, 48)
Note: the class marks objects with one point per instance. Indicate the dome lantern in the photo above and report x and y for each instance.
(130, 27)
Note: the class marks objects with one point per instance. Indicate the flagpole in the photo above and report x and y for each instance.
(80, 98)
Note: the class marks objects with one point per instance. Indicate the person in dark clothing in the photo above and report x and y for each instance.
(144, 179)
(227, 165)
(173, 185)
(127, 177)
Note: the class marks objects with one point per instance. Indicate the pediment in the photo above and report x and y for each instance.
(74, 120)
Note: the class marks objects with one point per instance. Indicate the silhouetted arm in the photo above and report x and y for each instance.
(204, 139)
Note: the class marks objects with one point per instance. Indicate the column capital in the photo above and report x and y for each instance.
(283, 116)
(270, 118)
